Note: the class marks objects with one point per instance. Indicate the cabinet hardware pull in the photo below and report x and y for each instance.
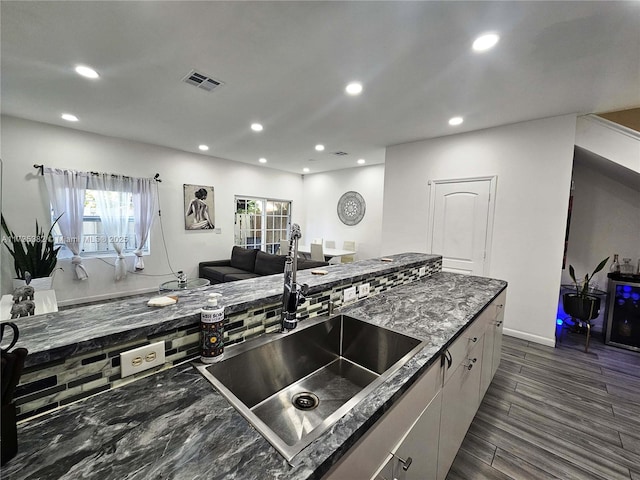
(498, 323)
(446, 356)
(471, 362)
(405, 463)
(474, 339)
(500, 305)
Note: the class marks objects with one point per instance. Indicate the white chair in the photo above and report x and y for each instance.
(316, 252)
(331, 244)
(316, 240)
(348, 245)
(284, 247)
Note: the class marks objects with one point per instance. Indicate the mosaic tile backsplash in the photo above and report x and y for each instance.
(56, 377)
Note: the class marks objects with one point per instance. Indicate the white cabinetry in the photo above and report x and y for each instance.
(493, 317)
(419, 437)
(460, 400)
(366, 458)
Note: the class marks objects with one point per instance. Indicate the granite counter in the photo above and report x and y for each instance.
(174, 425)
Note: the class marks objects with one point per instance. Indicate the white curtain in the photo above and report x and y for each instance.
(112, 198)
(144, 207)
(66, 191)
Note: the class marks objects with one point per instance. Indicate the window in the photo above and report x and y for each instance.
(94, 241)
(261, 223)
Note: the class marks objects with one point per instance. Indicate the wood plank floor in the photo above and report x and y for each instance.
(557, 413)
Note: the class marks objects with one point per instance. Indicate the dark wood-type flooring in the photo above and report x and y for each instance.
(557, 413)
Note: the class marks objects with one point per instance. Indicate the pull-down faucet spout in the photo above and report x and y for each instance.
(293, 294)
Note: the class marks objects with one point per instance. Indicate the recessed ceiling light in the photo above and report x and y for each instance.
(485, 42)
(354, 88)
(262, 160)
(256, 127)
(86, 72)
(203, 147)
(361, 161)
(306, 170)
(68, 117)
(455, 121)
(319, 148)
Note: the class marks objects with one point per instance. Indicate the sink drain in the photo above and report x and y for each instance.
(305, 401)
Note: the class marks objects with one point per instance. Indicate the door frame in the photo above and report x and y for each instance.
(493, 181)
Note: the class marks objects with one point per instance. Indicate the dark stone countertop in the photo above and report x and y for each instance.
(175, 425)
(54, 336)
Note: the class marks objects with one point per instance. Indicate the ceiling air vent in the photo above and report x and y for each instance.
(340, 154)
(202, 81)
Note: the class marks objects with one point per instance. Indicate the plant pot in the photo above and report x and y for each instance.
(38, 284)
(583, 308)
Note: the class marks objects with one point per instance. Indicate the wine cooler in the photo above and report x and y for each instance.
(623, 319)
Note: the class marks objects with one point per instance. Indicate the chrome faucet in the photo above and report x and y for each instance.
(293, 294)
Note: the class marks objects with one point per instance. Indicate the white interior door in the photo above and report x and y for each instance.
(461, 223)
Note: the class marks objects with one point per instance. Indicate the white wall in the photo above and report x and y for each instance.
(532, 161)
(25, 199)
(322, 192)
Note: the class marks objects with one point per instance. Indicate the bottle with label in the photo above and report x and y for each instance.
(615, 265)
(212, 330)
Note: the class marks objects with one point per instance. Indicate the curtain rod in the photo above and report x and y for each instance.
(156, 177)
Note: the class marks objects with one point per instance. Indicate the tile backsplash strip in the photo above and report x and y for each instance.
(51, 385)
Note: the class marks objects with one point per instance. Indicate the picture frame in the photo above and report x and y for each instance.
(199, 207)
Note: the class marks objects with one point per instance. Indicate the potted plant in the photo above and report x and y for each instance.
(34, 256)
(583, 304)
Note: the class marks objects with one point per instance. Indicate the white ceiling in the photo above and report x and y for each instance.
(285, 65)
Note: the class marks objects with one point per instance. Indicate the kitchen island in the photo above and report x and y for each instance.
(174, 424)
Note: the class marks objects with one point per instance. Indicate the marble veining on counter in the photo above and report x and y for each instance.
(72, 331)
(174, 425)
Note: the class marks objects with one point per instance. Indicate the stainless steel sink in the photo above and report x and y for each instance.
(292, 387)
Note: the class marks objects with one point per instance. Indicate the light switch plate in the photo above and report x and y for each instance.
(349, 294)
(363, 290)
(141, 359)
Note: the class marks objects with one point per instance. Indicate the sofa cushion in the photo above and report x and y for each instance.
(232, 277)
(218, 274)
(243, 258)
(268, 264)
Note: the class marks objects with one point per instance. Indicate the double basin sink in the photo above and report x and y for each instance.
(292, 387)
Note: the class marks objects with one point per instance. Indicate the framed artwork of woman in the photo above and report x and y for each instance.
(199, 207)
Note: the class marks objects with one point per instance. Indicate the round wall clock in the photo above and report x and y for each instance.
(351, 208)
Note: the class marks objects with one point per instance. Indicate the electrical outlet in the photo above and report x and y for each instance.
(423, 271)
(141, 359)
(363, 290)
(349, 294)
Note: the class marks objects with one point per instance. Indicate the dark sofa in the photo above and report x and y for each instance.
(248, 263)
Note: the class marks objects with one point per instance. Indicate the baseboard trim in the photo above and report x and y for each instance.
(549, 342)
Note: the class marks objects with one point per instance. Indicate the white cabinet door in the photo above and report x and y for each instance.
(366, 458)
(460, 400)
(416, 458)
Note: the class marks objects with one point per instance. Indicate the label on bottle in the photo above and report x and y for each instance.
(211, 334)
